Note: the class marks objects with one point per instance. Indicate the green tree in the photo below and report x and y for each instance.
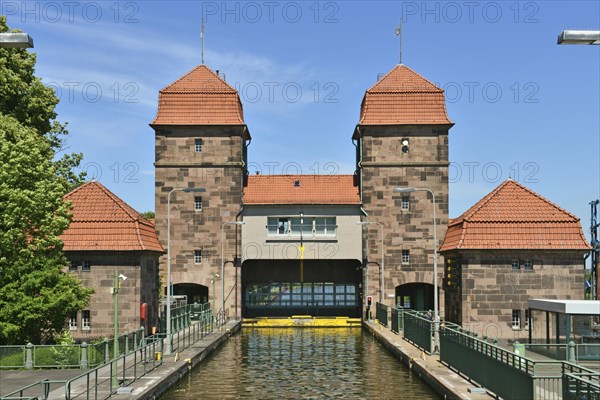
(149, 215)
(36, 295)
(24, 97)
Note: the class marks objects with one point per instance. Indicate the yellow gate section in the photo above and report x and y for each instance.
(302, 321)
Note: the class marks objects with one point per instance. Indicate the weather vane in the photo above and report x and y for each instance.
(398, 32)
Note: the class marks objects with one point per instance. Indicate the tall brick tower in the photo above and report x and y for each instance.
(201, 142)
(402, 141)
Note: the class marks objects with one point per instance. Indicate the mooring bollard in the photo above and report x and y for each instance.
(83, 363)
(571, 353)
(29, 356)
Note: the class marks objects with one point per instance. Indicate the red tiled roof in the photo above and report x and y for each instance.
(312, 189)
(403, 97)
(102, 221)
(515, 217)
(199, 97)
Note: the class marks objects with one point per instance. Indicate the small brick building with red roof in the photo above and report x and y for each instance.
(107, 235)
(510, 246)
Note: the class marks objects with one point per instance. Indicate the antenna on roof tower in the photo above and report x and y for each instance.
(398, 32)
(202, 38)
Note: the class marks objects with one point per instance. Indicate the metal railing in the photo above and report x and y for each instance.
(581, 386)
(65, 356)
(418, 330)
(397, 319)
(573, 352)
(499, 370)
(102, 381)
(381, 313)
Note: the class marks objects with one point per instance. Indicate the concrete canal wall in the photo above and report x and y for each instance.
(175, 367)
(444, 381)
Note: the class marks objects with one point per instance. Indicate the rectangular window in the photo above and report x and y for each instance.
(86, 321)
(198, 145)
(405, 205)
(405, 256)
(325, 226)
(73, 322)
(198, 203)
(73, 266)
(85, 266)
(515, 265)
(197, 256)
(527, 319)
(516, 319)
(528, 265)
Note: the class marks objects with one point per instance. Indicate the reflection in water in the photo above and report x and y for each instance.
(300, 363)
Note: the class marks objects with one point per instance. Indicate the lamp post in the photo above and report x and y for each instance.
(169, 348)
(115, 293)
(381, 277)
(579, 37)
(223, 261)
(436, 318)
(15, 40)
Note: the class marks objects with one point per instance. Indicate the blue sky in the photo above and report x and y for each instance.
(523, 106)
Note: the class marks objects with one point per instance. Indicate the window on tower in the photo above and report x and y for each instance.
(405, 205)
(405, 256)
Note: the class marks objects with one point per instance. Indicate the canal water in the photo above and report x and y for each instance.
(300, 363)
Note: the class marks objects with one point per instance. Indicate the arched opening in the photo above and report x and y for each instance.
(417, 296)
(195, 293)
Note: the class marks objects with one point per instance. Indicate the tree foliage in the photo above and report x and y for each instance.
(36, 295)
(24, 97)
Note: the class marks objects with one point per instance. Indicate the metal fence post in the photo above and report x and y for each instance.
(29, 356)
(83, 363)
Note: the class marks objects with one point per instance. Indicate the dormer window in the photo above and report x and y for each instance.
(296, 183)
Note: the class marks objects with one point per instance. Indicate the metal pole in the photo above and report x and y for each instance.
(223, 261)
(169, 348)
(381, 282)
(116, 327)
(223, 267)
(436, 324)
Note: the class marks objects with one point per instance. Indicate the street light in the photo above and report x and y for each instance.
(436, 319)
(579, 37)
(15, 40)
(382, 258)
(223, 261)
(169, 348)
(115, 293)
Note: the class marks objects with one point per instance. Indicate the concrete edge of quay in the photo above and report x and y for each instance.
(439, 377)
(157, 382)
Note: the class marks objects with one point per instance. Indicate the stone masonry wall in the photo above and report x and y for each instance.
(219, 170)
(491, 288)
(384, 167)
(133, 292)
